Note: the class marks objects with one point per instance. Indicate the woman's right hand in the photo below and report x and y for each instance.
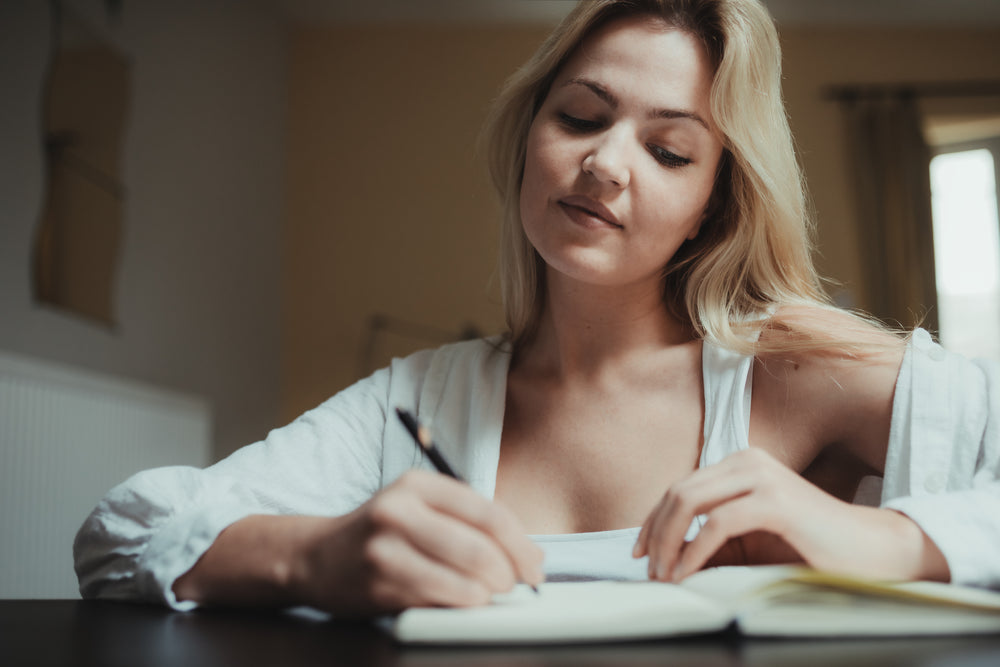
(425, 540)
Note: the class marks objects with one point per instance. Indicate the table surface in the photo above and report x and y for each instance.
(77, 632)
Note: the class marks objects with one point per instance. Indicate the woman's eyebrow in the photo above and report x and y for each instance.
(612, 101)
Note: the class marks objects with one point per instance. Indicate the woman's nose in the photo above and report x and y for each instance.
(607, 162)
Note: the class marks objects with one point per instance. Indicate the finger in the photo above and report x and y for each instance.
(703, 490)
(742, 463)
(641, 547)
(460, 546)
(695, 495)
(441, 537)
(405, 577)
(725, 523)
(462, 502)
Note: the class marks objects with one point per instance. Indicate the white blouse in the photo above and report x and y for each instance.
(942, 466)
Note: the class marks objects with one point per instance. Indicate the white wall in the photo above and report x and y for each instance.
(68, 436)
(198, 282)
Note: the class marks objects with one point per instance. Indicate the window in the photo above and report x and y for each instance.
(967, 246)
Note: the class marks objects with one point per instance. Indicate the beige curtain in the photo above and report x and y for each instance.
(890, 163)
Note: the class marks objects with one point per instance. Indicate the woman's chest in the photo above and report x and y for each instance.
(592, 460)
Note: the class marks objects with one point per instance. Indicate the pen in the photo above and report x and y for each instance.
(423, 439)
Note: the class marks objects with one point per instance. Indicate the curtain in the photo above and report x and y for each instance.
(890, 164)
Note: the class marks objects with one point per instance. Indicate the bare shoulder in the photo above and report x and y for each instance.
(826, 377)
(820, 333)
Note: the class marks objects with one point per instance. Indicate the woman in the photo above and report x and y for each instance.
(673, 392)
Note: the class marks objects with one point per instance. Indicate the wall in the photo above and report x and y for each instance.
(389, 210)
(389, 207)
(815, 59)
(198, 280)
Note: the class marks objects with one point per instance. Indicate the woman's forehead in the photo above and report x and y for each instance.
(644, 58)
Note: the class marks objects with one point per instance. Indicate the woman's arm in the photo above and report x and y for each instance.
(943, 464)
(151, 529)
(300, 518)
(764, 512)
(424, 540)
(803, 405)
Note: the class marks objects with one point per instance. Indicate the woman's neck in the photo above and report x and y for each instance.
(587, 329)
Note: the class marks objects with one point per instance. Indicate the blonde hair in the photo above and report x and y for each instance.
(753, 252)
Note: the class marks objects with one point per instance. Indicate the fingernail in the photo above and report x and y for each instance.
(660, 571)
(635, 550)
(675, 576)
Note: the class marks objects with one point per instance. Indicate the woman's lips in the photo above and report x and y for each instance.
(585, 210)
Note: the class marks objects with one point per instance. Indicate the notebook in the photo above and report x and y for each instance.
(775, 601)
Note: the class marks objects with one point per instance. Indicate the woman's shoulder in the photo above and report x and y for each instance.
(816, 349)
(426, 377)
(831, 370)
(826, 334)
(408, 373)
(466, 361)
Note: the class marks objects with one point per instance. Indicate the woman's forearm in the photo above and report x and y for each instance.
(255, 561)
(424, 540)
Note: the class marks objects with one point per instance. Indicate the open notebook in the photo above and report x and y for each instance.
(759, 601)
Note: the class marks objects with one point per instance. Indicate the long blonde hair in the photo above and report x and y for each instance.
(753, 251)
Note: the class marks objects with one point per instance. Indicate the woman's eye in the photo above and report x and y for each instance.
(579, 124)
(666, 158)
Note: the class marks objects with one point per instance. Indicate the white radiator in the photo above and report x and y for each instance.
(66, 437)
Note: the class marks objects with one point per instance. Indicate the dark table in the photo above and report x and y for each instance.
(75, 632)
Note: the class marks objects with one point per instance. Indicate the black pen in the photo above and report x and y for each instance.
(423, 439)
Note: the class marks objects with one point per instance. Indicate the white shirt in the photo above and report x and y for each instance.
(941, 470)
(943, 462)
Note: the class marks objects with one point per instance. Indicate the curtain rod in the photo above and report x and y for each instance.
(981, 88)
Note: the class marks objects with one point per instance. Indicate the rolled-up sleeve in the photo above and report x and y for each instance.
(152, 528)
(943, 460)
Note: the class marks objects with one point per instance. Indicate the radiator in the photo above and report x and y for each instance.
(66, 437)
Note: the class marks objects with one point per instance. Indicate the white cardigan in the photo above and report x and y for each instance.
(942, 466)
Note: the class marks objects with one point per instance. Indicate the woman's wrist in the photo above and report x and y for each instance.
(311, 556)
(259, 560)
(926, 559)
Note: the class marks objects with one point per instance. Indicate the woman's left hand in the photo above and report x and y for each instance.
(760, 511)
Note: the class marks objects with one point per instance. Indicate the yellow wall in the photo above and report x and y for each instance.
(389, 208)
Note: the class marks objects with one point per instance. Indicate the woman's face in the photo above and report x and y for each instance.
(622, 156)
